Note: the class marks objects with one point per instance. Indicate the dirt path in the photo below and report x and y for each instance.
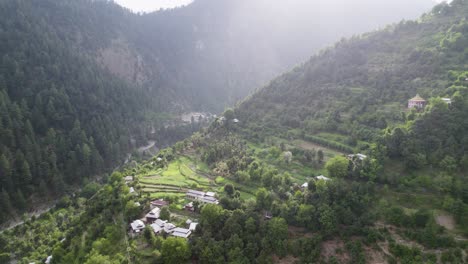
(19, 220)
(150, 145)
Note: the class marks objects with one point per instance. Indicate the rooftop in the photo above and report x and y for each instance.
(195, 193)
(128, 178)
(159, 202)
(418, 98)
(210, 194)
(181, 232)
(156, 228)
(137, 225)
(321, 177)
(168, 227)
(193, 226)
(154, 214)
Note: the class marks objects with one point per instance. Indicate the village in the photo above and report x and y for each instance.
(164, 227)
(196, 199)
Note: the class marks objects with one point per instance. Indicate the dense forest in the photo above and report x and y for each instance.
(82, 82)
(62, 119)
(326, 164)
(185, 59)
(392, 205)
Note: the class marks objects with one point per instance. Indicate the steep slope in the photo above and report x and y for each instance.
(80, 79)
(367, 209)
(209, 53)
(217, 52)
(63, 118)
(364, 83)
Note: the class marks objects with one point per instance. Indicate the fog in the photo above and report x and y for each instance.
(151, 5)
(227, 48)
(319, 23)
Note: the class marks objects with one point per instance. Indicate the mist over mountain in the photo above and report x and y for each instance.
(358, 153)
(216, 52)
(104, 74)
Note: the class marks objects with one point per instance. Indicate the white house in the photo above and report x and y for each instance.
(158, 226)
(305, 185)
(447, 100)
(137, 226)
(169, 227)
(202, 196)
(153, 215)
(210, 194)
(359, 156)
(128, 179)
(181, 232)
(193, 226)
(322, 178)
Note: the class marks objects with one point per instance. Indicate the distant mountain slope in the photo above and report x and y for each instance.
(354, 98)
(216, 52)
(63, 118)
(208, 53)
(79, 78)
(361, 85)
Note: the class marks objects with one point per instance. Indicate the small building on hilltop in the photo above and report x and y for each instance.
(417, 102)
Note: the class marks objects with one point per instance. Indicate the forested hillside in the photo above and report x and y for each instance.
(63, 118)
(209, 53)
(287, 189)
(80, 79)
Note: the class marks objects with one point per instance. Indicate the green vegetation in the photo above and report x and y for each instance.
(405, 201)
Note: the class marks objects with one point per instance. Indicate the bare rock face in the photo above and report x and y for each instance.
(122, 61)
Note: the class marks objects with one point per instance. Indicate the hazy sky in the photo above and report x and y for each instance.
(151, 5)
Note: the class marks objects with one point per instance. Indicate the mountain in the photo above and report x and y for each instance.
(288, 190)
(217, 52)
(82, 81)
(208, 53)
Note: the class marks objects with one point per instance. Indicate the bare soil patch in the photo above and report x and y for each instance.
(335, 248)
(446, 221)
(375, 256)
(285, 260)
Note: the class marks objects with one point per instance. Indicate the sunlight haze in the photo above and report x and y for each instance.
(151, 5)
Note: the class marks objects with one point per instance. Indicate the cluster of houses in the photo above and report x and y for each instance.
(158, 225)
(152, 218)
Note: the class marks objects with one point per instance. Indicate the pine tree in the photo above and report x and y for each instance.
(5, 203)
(5, 173)
(20, 201)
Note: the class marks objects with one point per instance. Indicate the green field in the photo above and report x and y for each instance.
(175, 179)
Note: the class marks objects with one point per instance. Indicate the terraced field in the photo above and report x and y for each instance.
(173, 181)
